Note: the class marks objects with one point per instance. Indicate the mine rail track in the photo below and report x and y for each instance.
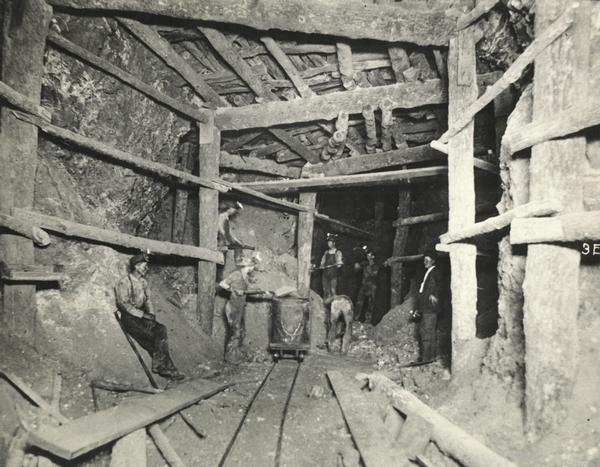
(268, 398)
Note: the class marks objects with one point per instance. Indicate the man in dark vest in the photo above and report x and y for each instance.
(428, 307)
(139, 320)
(331, 263)
(368, 287)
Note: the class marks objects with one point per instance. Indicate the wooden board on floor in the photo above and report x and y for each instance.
(80, 436)
(368, 431)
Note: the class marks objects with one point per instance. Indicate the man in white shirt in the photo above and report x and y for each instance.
(428, 306)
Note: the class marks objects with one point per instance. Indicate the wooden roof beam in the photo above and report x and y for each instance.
(336, 18)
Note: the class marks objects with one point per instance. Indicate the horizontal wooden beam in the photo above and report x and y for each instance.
(480, 9)
(345, 181)
(493, 224)
(110, 237)
(337, 18)
(328, 106)
(182, 108)
(104, 150)
(30, 273)
(404, 259)
(436, 216)
(21, 102)
(576, 227)
(253, 164)
(485, 166)
(511, 75)
(370, 162)
(80, 436)
(343, 228)
(25, 229)
(559, 124)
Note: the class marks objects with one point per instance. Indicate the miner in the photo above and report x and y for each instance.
(226, 238)
(428, 308)
(239, 284)
(138, 318)
(331, 264)
(368, 287)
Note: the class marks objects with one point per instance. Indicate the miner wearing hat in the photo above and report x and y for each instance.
(331, 264)
(368, 286)
(239, 285)
(428, 307)
(139, 320)
(225, 236)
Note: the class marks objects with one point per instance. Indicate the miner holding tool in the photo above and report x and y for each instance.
(138, 318)
(368, 286)
(331, 264)
(226, 238)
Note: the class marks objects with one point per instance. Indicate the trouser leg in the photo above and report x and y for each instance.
(360, 303)
(152, 336)
(235, 320)
(428, 338)
(370, 300)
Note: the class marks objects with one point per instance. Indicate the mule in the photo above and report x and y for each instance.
(341, 309)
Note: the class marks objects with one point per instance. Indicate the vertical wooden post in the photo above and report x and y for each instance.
(462, 91)
(208, 223)
(399, 248)
(551, 287)
(23, 43)
(304, 240)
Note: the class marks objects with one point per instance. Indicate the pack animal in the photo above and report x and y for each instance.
(341, 313)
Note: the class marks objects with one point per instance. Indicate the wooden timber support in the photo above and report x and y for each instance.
(368, 113)
(551, 286)
(462, 91)
(360, 21)
(104, 65)
(496, 223)
(104, 150)
(209, 144)
(404, 259)
(253, 164)
(386, 125)
(324, 183)
(21, 102)
(111, 237)
(344, 57)
(164, 445)
(480, 9)
(343, 228)
(399, 247)
(575, 227)
(511, 75)
(564, 123)
(22, 67)
(437, 216)
(327, 106)
(25, 229)
(304, 239)
(448, 436)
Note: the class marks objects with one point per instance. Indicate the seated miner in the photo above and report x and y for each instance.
(239, 285)
(226, 239)
(139, 320)
(331, 264)
(368, 287)
(428, 308)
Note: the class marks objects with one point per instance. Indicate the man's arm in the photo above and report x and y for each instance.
(147, 302)
(122, 291)
(339, 260)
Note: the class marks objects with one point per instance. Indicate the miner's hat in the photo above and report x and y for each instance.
(431, 252)
(139, 258)
(331, 236)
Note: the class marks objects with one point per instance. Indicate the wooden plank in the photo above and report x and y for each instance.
(404, 259)
(437, 216)
(343, 228)
(561, 124)
(551, 286)
(399, 248)
(164, 446)
(294, 145)
(496, 223)
(541, 42)
(304, 242)
(208, 226)
(327, 107)
(370, 162)
(374, 443)
(110, 237)
(283, 60)
(480, 9)
(32, 277)
(87, 433)
(486, 166)
(104, 150)
(25, 26)
(414, 436)
(21, 102)
(337, 18)
(325, 183)
(449, 437)
(127, 78)
(576, 227)
(165, 51)
(345, 68)
(253, 164)
(461, 204)
(25, 229)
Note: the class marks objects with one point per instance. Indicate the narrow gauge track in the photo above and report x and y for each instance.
(262, 424)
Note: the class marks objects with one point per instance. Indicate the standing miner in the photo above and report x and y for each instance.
(225, 235)
(139, 320)
(368, 287)
(331, 264)
(428, 308)
(238, 284)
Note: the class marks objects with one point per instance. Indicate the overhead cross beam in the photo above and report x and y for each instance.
(336, 17)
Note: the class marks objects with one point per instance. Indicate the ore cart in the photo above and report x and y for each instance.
(290, 328)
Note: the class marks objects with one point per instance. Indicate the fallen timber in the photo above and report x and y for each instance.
(87, 433)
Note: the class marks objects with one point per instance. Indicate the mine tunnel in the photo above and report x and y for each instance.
(299, 233)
